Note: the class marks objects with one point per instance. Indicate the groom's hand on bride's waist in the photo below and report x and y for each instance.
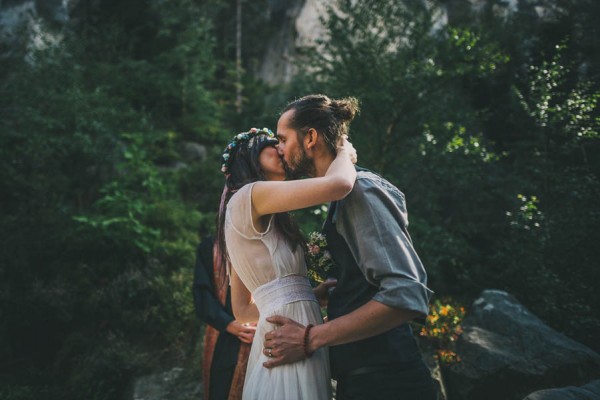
(285, 344)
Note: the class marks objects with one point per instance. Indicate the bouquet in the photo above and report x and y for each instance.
(318, 259)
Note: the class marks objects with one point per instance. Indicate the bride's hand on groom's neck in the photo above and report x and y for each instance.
(343, 145)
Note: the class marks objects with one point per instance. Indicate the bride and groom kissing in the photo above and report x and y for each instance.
(367, 344)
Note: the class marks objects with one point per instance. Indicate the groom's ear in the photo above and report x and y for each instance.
(310, 139)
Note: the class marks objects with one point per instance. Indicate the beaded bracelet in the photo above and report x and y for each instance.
(305, 347)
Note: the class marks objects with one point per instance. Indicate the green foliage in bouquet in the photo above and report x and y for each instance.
(318, 258)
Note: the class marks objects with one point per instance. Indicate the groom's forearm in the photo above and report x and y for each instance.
(369, 320)
(287, 343)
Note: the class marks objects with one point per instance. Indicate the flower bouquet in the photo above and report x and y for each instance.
(318, 259)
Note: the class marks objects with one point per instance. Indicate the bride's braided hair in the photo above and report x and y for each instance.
(259, 137)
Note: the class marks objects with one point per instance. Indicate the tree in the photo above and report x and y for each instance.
(473, 121)
(97, 238)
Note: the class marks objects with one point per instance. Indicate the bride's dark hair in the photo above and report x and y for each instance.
(243, 167)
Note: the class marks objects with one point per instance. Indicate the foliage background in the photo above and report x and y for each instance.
(488, 124)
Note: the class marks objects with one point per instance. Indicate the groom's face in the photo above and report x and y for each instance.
(291, 149)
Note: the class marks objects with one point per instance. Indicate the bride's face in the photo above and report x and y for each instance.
(271, 164)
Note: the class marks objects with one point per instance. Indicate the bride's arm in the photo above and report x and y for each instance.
(243, 307)
(274, 197)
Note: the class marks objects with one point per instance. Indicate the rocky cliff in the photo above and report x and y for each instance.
(27, 24)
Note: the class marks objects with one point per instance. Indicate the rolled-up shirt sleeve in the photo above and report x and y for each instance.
(373, 220)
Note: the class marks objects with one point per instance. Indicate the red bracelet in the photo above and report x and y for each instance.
(306, 332)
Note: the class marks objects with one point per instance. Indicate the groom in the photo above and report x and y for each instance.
(381, 281)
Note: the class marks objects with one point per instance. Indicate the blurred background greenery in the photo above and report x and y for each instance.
(487, 122)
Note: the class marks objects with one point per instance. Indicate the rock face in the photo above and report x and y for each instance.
(278, 63)
(507, 352)
(591, 391)
(300, 27)
(32, 24)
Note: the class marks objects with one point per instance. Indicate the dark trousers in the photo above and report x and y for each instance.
(409, 381)
(220, 383)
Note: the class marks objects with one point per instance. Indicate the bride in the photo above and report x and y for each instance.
(265, 248)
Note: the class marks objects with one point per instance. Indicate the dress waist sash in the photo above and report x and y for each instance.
(281, 291)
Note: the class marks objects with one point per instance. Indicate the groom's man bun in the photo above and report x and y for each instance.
(329, 117)
(345, 109)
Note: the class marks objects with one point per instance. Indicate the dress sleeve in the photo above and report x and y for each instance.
(239, 210)
(373, 220)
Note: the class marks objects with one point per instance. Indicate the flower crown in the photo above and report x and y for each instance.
(242, 137)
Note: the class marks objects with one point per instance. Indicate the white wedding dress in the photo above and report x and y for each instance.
(276, 276)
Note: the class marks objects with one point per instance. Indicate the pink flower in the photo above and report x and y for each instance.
(314, 249)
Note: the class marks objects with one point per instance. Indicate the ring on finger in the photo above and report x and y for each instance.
(270, 351)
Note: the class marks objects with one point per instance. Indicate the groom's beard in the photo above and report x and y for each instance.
(299, 166)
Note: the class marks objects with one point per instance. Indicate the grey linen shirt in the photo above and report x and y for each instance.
(373, 220)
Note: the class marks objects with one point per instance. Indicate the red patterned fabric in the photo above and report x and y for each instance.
(212, 336)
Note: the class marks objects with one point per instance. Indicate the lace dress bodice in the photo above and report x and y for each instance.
(257, 257)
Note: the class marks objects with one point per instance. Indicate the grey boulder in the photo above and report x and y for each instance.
(507, 352)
